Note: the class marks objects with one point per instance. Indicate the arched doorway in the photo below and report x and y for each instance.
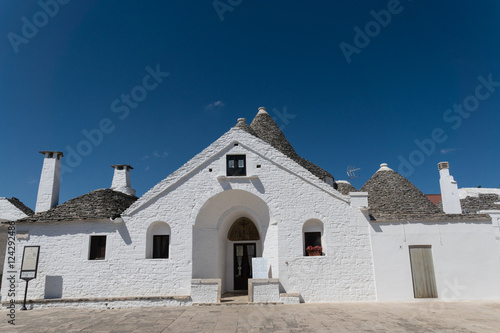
(213, 251)
(244, 234)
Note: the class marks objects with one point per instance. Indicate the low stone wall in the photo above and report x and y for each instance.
(206, 290)
(103, 303)
(264, 290)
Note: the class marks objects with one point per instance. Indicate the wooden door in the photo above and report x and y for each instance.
(422, 271)
(243, 254)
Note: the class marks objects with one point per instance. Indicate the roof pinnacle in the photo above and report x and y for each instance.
(384, 167)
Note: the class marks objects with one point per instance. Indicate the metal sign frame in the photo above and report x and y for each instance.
(29, 266)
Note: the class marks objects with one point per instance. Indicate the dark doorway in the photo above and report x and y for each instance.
(243, 254)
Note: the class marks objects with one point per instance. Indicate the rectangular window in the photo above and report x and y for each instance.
(311, 239)
(236, 165)
(160, 246)
(97, 248)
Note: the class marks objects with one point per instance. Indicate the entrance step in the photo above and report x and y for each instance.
(235, 297)
(290, 298)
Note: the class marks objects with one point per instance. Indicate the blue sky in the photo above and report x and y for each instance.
(350, 83)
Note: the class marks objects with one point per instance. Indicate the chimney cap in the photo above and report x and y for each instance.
(121, 166)
(443, 165)
(51, 152)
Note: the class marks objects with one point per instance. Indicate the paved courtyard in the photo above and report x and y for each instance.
(332, 317)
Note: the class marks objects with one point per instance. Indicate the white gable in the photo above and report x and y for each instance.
(220, 146)
(9, 212)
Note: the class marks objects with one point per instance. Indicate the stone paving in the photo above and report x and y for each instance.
(422, 316)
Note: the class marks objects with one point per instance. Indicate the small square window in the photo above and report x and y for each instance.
(160, 246)
(236, 165)
(97, 248)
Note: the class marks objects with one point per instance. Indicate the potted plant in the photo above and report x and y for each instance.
(314, 250)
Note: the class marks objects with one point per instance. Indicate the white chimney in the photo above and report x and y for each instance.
(48, 190)
(449, 190)
(121, 179)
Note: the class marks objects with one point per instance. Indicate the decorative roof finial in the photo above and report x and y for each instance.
(262, 110)
(242, 120)
(384, 167)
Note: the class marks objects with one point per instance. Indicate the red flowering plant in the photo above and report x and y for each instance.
(311, 248)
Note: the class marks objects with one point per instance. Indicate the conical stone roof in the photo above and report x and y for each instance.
(98, 204)
(393, 197)
(345, 187)
(264, 127)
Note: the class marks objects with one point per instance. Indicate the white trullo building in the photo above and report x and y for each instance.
(241, 215)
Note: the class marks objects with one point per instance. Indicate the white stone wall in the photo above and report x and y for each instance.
(465, 256)
(199, 206)
(475, 191)
(205, 290)
(9, 212)
(264, 291)
(64, 249)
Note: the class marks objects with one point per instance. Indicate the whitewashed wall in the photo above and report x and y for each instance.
(194, 201)
(465, 256)
(8, 212)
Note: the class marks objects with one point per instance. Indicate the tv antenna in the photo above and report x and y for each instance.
(351, 172)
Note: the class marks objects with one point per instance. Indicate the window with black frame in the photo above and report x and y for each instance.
(236, 165)
(97, 248)
(160, 246)
(312, 242)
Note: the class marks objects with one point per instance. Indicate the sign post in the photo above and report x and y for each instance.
(29, 267)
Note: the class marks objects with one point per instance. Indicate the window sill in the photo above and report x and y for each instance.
(237, 177)
(157, 259)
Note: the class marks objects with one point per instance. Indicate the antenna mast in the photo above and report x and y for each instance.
(350, 172)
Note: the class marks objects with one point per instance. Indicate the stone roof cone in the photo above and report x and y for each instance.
(98, 204)
(267, 129)
(391, 195)
(264, 127)
(345, 187)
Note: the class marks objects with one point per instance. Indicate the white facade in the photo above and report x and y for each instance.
(465, 257)
(196, 207)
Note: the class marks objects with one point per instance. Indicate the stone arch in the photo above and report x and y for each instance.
(211, 246)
